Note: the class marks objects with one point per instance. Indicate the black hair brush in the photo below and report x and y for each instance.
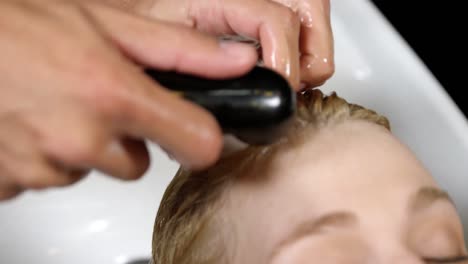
(256, 107)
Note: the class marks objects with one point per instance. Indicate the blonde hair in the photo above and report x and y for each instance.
(184, 231)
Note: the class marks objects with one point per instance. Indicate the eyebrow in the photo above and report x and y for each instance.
(313, 226)
(427, 196)
(424, 198)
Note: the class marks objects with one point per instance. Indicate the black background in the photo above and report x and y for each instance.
(436, 31)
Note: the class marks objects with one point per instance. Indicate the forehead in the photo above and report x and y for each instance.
(355, 166)
(351, 152)
(349, 160)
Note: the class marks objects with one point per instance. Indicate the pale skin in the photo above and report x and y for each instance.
(295, 35)
(351, 194)
(73, 97)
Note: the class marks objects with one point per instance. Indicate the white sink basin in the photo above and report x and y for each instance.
(101, 221)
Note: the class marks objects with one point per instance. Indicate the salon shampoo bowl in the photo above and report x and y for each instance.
(104, 221)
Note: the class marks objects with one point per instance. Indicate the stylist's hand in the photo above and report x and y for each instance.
(72, 97)
(295, 35)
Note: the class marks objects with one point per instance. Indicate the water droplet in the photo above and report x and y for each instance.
(306, 19)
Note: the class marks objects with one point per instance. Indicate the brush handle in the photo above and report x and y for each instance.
(255, 104)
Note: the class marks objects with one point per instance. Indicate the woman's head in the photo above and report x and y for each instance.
(338, 189)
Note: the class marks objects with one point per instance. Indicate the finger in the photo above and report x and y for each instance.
(167, 46)
(72, 174)
(9, 192)
(21, 161)
(43, 175)
(127, 159)
(8, 189)
(317, 52)
(137, 106)
(187, 131)
(274, 25)
(279, 38)
(39, 175)
(88, 142)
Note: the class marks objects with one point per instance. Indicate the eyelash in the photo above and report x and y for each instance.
(446, 260)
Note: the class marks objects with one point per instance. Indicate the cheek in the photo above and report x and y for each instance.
(324, 250)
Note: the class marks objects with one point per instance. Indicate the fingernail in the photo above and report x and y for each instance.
(236, 50)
